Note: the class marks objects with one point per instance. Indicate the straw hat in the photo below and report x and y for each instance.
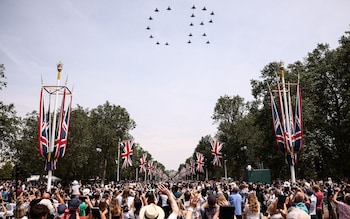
(151, 211)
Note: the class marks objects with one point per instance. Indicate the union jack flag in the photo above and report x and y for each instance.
(277, 126)
(62, 134)
(150, 167)
(216, 151)
(192, 167)
(43, 128)
(200, 162)
(127, 153)
(143, 163)
(287, 138)
(298, 136)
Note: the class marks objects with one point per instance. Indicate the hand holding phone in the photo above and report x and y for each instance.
(281, 201)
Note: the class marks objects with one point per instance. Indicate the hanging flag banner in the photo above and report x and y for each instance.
(63, 125)
(216, 151)
(192, 167)
(45, 126)
(143, 163)
(289, 132)
(127, 153)
(200, 162)
(150, 167)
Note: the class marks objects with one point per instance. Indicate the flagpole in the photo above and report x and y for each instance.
(118, 161)
(292, 170)
(53, 126)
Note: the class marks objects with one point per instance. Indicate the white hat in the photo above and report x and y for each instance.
(86, 191)
(151, 211)
(286, 184)
(75, 183)
(48, 204)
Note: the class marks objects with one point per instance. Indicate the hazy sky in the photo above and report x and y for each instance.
(169, 90)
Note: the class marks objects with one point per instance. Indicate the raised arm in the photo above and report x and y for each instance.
(173, 204)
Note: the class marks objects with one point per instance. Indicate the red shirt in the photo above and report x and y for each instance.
(319, 195)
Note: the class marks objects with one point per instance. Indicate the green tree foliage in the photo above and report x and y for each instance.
(111, 125)
(2, 76)
(6, 171)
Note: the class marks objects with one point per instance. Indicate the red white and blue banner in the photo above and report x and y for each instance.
(61, 139)
(45, 127)
(216, 151)
(127, 153)
(289, 132)
(200, 162)
(143, 163)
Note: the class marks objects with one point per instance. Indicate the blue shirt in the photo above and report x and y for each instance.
(235, 200)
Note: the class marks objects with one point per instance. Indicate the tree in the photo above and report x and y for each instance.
(111, 126)
(228, 113)
(2, 75)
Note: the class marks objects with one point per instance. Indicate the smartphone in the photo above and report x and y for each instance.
(96, 212)
(281, 201)
(82, 198)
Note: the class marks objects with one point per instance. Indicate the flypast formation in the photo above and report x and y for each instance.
(199, 19)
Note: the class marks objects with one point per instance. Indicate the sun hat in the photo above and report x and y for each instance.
(151, 211)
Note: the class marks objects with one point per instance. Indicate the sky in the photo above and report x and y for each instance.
(170, 91)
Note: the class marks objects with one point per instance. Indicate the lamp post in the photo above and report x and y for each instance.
(244, 150)
(225, 161)
(98, 150)
(53, 132)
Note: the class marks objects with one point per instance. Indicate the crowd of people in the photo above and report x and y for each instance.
(176, 200)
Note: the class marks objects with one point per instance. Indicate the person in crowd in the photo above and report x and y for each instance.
(252, 207)
(3, 210)
(235, 200)
(221, 200)
(342, 207)
(125, 201)
(273, 212)
(210, 209)
(20, 212)
(319, 203)
(301, 200)
(39, 211)
(115, 209)
(136, 207)
(152, 211)
(313, 202)
(163, 202)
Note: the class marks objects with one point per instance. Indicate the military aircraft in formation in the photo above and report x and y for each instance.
(192, 24)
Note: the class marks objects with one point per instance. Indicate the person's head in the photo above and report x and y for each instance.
(151, 211)
(316, 188)
(253, 202)
(20, 211)
(187, 195)
(221, 198)
(46, 195)
(211, 200)
(38, 211)
(73, 206)
(150, 197)
(299, 197)
(347, 198)
(235, 189)
(126, 193)
(137, 205)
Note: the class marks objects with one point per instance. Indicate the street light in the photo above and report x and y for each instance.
(225, 161)
(98, 150)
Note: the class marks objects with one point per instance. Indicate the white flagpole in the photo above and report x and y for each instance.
(118, 161)
(53, 131)
(292, 170)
